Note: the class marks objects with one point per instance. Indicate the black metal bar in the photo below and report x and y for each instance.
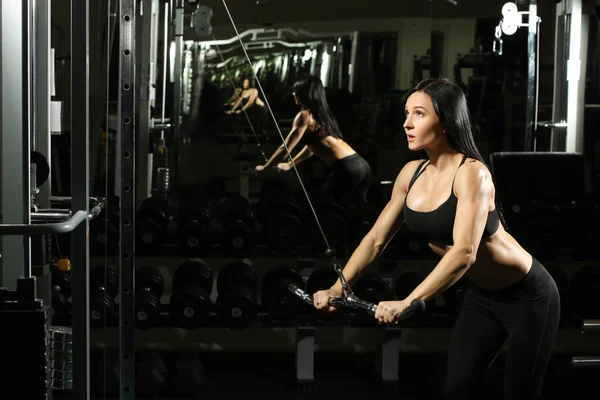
(591, 326)
(80, 101)
(586, 362)
(126, 134)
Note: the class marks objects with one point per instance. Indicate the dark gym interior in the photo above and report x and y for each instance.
(144, 255)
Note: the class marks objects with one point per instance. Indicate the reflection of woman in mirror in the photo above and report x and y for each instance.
(316, 131)
(247, 99)
(234, 97)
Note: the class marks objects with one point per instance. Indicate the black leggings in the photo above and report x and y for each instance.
(348, 176)
(527, 314)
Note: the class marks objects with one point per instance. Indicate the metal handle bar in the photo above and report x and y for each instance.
(55, 227)
(417, 305)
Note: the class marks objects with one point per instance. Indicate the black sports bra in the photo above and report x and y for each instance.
(437, 225)
(311, 137)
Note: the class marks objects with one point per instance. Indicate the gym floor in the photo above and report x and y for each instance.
(259, 375)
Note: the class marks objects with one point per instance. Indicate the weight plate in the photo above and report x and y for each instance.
(62, 346)
(61, 375)
(280, 303)
(151, 279)
(194, 272)
(60, 355)
(190, 307)
(60, 333)
(237, 308)
(147, 309)
(236, 273)
(65, 366)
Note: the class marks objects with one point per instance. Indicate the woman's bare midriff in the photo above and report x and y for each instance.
(500, 261)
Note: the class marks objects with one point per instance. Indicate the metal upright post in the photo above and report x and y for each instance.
(148, 30)
(576, 77)
(177, 95)
(532, 78)
(570, 59)
(80, 96)
(42, 89)
(353, 61)
(27, 131)
(126, 155)
(339, 56)
(15, 136)
(559, 101)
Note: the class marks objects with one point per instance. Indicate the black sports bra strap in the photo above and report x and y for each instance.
(417, 173)
(461, 163)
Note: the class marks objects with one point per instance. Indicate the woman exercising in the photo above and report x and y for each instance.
(450, 198)
(315, 131)
(247, 99)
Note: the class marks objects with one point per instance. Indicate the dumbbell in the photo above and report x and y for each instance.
(237, 304)
(103, 289)
(193, 233)
(239, 225)
(584, 293)
(151, 223)
(321, 279)
(453, 299)
(151, 374)
(61, 292)
(370, 288)
(361, 217)
(190, 374)
(404, 286)
(149, 286)
(280, 303)
(282, 221)
(190, 303)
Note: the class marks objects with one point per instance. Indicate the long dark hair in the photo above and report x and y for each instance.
(450, 105)
(311, 93)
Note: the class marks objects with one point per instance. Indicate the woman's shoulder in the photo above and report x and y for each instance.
(472, 174)
(472, 165)
(303, 117)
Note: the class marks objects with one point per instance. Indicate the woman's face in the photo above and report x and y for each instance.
(422, 124)
(246, 84)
